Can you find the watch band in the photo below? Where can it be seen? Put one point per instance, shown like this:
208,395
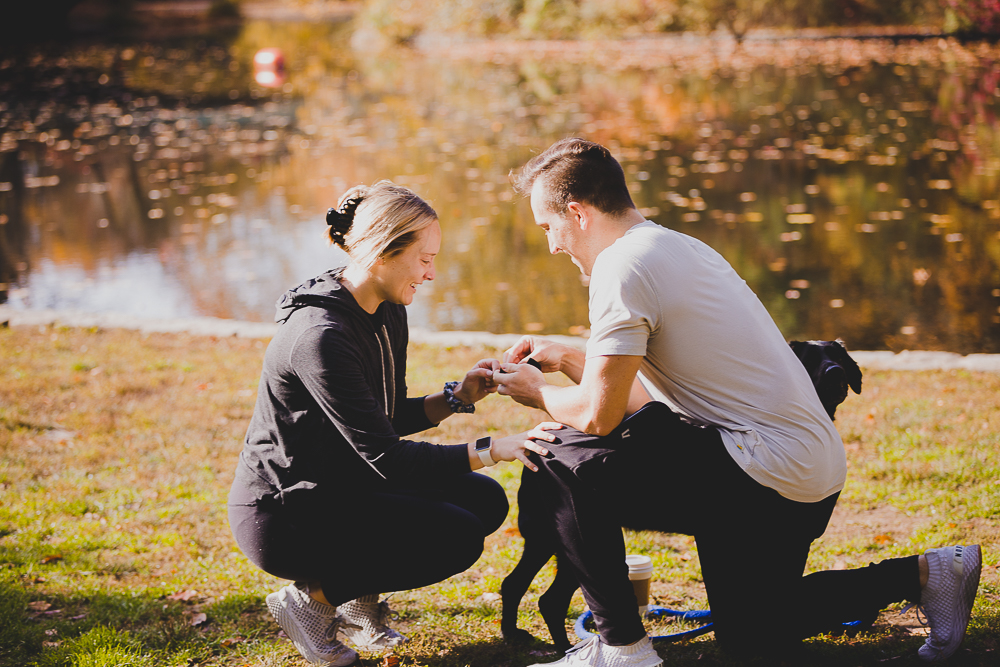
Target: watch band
483,447
454,402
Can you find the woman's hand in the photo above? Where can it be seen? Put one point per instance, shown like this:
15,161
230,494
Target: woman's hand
478,383
515,447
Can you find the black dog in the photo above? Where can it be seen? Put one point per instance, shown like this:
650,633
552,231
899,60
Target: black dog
831,370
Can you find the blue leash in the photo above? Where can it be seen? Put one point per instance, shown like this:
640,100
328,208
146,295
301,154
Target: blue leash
655,611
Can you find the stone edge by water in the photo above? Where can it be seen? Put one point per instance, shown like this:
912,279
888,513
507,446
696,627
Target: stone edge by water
910,360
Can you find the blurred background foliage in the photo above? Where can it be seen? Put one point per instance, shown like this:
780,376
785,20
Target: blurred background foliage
404,20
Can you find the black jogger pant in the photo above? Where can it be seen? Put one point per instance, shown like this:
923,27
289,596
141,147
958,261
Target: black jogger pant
363,543
658,472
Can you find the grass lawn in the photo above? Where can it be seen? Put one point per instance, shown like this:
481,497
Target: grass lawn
117,450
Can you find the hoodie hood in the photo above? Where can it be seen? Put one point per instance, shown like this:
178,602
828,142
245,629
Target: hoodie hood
323,291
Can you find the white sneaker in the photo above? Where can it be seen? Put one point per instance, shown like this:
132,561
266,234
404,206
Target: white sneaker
311,625
367,626
948,597
595,653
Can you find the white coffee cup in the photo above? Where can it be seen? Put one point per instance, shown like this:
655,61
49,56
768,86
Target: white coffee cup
640,571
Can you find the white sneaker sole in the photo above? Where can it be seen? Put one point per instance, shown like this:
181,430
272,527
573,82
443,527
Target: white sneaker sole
278,606
363,640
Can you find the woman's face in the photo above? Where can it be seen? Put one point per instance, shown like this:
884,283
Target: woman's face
399,275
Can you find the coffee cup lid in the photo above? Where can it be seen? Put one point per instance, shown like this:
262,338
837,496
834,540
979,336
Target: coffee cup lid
639,564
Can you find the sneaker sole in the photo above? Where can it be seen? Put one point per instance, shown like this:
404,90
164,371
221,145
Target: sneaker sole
360,639
972,567
279,610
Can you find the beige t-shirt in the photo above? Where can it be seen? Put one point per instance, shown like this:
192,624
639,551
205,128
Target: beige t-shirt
712,352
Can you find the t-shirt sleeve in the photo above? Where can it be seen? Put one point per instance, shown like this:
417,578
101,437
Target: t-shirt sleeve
624,309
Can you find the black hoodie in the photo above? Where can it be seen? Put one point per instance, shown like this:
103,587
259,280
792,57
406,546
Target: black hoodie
332,405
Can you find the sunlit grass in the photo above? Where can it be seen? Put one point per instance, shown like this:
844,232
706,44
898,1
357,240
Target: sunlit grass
117,450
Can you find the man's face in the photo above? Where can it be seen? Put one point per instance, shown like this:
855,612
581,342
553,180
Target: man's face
560,229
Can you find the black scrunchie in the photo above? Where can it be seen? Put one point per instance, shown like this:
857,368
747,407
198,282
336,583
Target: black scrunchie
340,221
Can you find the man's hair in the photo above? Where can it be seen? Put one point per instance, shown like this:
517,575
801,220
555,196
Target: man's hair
577,170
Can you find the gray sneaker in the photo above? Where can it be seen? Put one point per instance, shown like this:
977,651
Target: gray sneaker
948,597
311,625
367,626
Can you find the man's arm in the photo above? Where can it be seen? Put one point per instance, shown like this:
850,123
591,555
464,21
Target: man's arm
606,392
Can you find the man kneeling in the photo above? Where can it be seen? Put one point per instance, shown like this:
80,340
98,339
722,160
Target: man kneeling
731,423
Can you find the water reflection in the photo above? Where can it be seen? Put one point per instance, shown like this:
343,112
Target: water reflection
853,185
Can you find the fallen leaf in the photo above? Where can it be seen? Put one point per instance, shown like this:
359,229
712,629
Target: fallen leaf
51,558
39,605
232,641
199,619
490,597
883,539
78,617
390,661
51,632
51,644
184,596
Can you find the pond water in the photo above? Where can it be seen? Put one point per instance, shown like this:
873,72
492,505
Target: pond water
853,184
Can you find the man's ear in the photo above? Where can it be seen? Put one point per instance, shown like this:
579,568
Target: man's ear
578,214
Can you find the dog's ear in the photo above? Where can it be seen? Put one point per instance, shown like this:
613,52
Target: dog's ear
850,366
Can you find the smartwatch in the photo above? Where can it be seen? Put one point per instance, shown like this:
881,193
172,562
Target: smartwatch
483,447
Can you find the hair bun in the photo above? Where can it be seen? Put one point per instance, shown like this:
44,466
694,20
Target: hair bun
340,221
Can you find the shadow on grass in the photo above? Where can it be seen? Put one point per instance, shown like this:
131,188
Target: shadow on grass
98,627
881,646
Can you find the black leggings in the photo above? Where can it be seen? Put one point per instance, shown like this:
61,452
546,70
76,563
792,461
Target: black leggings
364,543
657,472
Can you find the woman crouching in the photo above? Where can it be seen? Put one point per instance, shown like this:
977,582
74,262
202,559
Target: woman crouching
328,492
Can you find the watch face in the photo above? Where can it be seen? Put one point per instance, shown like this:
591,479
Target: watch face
484,443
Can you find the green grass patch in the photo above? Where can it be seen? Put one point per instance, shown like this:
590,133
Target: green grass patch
117,450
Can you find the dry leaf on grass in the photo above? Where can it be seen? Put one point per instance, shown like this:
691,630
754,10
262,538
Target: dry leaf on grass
183,596
232,641
51,558
199,619
390,661
39,605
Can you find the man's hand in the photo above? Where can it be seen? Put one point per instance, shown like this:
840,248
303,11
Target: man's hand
552,357
521,382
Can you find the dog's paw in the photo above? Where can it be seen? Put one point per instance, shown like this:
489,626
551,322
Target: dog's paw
518,636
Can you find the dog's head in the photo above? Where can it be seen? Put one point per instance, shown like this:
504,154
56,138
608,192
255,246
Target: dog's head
831,370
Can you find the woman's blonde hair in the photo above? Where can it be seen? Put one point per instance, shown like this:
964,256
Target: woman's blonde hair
378,221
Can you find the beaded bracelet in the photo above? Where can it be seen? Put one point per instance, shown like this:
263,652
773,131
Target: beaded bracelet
455,403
